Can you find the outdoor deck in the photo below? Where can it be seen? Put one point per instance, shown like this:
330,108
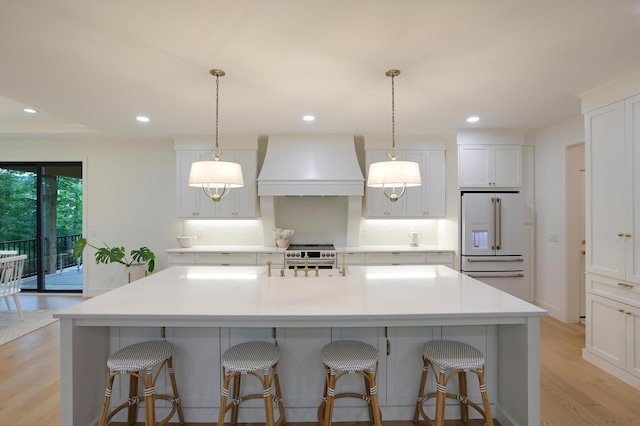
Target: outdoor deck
63,280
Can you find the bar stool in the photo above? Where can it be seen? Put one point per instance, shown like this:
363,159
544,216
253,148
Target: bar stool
257,359
132,360
452,358
349,357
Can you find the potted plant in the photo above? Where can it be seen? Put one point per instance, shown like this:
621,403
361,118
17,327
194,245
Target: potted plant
106,254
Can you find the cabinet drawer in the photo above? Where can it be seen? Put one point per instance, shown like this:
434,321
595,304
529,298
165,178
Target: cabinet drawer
440,259
622,291
353,259
181,259
226,259
276,259
395,259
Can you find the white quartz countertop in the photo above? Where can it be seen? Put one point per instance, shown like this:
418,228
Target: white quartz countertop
246,296
354,249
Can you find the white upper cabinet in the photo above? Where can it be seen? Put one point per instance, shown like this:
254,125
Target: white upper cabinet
378,205
428,199
613,190
424,201
489,166
239,203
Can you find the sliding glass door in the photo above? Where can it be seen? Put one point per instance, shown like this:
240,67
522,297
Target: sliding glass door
41,205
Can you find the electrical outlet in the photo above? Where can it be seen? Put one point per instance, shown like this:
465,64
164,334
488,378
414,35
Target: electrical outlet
365,232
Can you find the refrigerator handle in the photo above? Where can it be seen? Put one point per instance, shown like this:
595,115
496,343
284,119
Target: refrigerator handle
499,209
493,201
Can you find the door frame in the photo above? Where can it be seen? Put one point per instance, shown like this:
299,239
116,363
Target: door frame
574,162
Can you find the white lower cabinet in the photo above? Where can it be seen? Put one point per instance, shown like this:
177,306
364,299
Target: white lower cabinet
613,326
226,259
614,332
440,258
276,259
181,259
395,258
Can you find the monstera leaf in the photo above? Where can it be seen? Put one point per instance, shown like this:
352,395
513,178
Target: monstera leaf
108,254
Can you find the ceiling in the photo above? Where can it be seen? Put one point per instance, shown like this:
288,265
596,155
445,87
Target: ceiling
91,67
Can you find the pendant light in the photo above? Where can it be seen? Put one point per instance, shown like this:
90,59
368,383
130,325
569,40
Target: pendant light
393,174
216,177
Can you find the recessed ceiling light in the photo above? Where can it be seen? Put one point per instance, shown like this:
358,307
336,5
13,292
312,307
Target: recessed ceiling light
308,118
473,119
30,110
142,119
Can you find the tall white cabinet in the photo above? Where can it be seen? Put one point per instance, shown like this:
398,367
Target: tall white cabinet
613,238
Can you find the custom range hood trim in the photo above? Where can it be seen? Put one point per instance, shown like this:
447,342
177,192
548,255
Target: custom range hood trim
310,165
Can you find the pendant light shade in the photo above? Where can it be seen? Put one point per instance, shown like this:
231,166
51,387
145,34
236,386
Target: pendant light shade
393,174
216,177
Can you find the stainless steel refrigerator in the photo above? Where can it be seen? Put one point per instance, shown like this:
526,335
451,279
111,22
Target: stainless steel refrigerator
492,240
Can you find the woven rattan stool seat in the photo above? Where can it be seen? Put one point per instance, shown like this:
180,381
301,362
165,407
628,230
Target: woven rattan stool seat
349,356
140,356
453,355
251,356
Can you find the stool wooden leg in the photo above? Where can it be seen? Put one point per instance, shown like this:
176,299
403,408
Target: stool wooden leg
485,399
223,398
276,382
237,378
423,382
267,394
331,392
132,413
462,388
107,398
174,387
441,396
323,405
150,400
372,390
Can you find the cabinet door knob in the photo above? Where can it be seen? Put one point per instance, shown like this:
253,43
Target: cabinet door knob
620,310
628,313
627,235
620,234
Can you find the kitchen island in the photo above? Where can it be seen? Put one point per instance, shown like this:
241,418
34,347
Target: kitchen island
203,310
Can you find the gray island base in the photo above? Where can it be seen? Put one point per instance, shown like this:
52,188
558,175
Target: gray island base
204,310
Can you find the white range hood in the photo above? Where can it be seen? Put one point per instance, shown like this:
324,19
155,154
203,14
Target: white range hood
310,165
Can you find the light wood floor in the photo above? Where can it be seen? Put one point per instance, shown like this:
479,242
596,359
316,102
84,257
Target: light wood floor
573,392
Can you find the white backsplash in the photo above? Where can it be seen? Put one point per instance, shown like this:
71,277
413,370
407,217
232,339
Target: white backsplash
396,232
315,220
225,232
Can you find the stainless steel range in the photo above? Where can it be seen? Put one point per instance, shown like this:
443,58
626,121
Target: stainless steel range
321,255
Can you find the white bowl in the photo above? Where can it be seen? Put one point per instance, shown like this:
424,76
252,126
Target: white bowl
186,242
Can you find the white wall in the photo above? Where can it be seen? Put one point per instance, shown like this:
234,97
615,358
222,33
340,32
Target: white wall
550,147
129,196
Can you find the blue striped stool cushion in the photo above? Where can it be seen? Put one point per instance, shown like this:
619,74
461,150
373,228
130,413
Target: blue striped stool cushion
140,356
453,355
346,355
251,356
